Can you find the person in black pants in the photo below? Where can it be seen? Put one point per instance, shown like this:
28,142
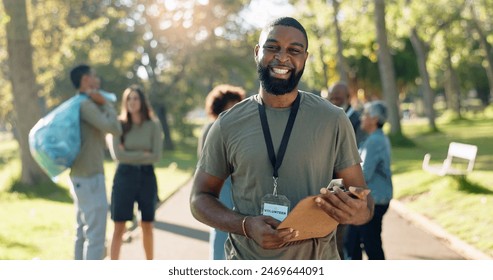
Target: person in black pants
375,156
338,95
136,150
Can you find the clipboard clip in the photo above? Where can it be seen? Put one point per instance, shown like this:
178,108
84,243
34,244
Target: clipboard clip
336,183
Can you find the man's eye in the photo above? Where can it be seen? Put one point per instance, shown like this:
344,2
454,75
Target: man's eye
295,51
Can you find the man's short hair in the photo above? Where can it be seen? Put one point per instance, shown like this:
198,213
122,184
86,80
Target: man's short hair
78,72
342,86
287,21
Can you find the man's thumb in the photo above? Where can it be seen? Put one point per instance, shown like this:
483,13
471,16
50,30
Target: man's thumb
360,192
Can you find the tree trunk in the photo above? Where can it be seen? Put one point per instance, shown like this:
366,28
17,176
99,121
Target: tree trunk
161,113
160,106
386,68
24,88
452,90
428,96
341,60
325,67
489,74
488,49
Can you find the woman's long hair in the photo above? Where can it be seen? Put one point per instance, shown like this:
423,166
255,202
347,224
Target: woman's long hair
125,117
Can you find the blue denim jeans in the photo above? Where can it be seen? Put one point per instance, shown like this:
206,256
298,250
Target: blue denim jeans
367,236
91,208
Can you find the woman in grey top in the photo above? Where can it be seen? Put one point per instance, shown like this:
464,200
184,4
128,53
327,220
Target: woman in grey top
136,150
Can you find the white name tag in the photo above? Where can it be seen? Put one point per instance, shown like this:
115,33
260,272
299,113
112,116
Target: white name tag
278,212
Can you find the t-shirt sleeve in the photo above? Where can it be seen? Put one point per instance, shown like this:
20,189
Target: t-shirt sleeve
101,117
346,149
123,155
148,155
203,136
213,159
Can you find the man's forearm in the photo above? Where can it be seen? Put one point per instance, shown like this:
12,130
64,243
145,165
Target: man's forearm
207,209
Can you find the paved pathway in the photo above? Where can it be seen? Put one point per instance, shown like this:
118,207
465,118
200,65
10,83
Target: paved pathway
177,235
404,241
406,236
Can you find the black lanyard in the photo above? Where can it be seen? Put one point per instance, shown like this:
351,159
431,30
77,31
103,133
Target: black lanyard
276,163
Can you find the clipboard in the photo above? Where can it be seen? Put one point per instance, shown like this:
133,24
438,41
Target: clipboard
309,220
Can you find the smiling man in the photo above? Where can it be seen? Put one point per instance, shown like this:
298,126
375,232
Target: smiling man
279,146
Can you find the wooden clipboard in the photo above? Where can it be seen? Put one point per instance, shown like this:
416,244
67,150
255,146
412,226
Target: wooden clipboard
309,220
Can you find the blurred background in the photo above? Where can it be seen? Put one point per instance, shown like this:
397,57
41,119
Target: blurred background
429,60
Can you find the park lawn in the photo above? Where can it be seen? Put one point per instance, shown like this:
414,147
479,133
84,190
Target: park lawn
461,205
38,222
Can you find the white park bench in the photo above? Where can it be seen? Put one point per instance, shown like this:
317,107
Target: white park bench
464,155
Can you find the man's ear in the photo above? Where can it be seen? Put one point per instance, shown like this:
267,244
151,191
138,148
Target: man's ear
255,51
83,80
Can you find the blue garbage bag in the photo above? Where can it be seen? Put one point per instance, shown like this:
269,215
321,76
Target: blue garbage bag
54,141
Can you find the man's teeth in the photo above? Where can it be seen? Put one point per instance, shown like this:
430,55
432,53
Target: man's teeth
280,71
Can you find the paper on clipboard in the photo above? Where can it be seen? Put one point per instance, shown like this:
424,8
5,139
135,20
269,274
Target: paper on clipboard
309,220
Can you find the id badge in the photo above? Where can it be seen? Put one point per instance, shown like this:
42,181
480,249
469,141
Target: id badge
276,206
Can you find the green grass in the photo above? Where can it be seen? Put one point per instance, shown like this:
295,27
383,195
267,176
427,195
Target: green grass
461,205
38,221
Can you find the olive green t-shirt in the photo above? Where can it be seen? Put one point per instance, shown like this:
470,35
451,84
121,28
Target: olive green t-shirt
322,141
143,144
95,122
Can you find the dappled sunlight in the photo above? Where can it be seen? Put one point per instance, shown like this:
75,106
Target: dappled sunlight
412,184
28,209
177,50
47,190
16,246
461,205
464,214
36,229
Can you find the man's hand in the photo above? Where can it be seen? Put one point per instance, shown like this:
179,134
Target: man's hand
262,229
344,208
97,97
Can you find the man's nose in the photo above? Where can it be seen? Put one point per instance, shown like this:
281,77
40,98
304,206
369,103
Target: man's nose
282,55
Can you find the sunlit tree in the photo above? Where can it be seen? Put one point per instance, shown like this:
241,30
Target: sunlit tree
386,66
187,47
479,18
24,87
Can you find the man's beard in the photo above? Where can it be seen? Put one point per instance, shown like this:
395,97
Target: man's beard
277,86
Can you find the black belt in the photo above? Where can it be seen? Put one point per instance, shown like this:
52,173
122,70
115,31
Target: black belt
137,166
